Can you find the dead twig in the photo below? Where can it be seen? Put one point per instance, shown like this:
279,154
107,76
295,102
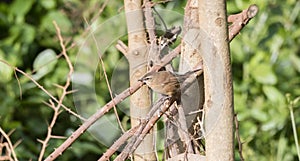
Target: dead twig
145,127
240,20
107,81
237,134
9,146
43,89
113,148
65,92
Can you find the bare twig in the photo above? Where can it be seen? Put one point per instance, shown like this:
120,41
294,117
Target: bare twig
42,88
136,131
49,131
119,98
107,83
183,133
150,22
19,84
101,9
130,146
144,129
109,152
238,137
56,108
123,48
7,155
150,27
291,104
240,20
95,17
10,145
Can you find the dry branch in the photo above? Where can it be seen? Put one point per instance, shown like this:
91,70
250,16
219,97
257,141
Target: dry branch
56,108
144,129
113,148
9,146
237,135
240,20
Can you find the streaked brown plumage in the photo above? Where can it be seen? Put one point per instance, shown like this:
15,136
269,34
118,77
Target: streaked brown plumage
165,82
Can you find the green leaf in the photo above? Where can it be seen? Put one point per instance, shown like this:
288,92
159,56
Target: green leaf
48,4
237,51
44,63
20,8
62,21
28,33
5,70
273,94
259,115
264,74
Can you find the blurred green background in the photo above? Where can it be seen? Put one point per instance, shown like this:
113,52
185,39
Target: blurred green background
265,61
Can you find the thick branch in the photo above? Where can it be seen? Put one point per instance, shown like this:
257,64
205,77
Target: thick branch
214,49
137,56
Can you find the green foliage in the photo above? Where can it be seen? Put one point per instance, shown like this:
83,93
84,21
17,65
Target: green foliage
28,41
44,63
265,58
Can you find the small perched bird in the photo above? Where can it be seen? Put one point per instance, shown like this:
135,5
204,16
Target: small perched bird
165,82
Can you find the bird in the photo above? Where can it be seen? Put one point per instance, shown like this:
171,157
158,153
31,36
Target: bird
165,82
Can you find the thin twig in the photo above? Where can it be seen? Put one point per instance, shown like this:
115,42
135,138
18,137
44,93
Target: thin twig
101,9
95,17
19,84
42,88
113,148
130,148
62,97
150,27
11,147
107,82
150,21
291,106
238,137
49,131
183,132
122,47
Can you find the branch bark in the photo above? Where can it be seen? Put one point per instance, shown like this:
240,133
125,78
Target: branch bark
214,49
137,56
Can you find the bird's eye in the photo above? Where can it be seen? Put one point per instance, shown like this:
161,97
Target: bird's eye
147,78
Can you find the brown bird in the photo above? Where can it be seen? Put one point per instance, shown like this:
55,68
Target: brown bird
165,82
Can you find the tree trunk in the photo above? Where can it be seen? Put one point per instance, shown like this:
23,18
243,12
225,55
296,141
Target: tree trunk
214,50
137,55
